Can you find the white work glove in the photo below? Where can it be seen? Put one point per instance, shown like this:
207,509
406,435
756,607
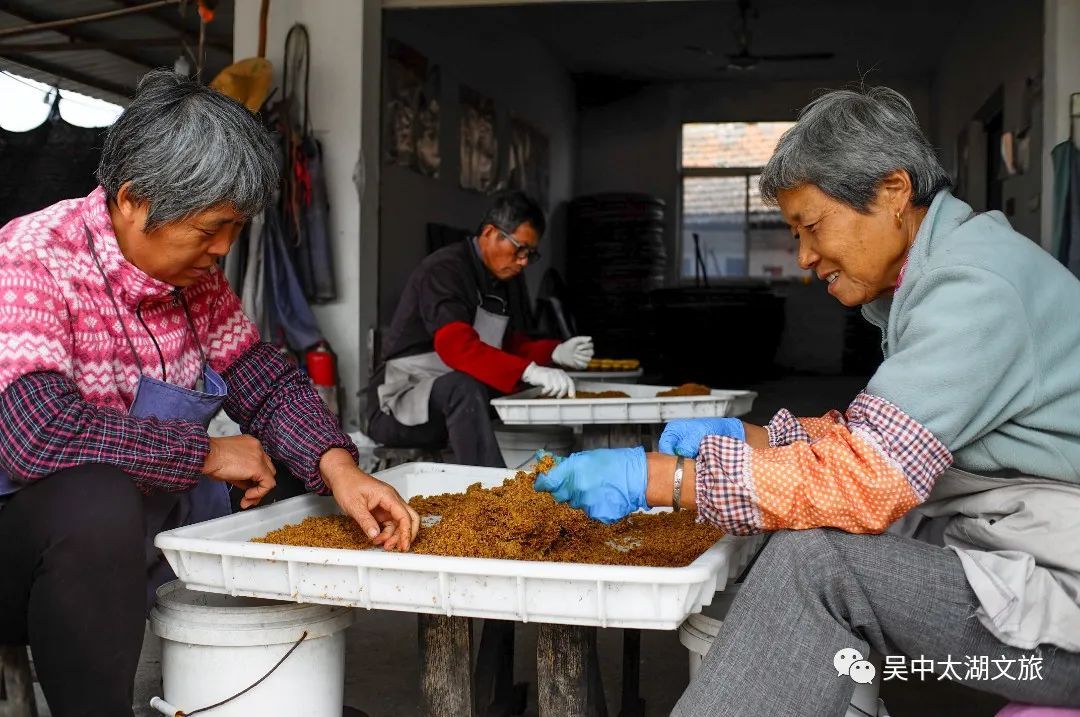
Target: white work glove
552,381
575,352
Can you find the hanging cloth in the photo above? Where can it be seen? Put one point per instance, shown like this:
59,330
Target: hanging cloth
1066,227
287,311
306,208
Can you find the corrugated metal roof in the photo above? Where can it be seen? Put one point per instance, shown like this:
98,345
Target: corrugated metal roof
114,53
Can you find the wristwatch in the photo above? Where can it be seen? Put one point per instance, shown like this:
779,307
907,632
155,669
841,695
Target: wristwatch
676,485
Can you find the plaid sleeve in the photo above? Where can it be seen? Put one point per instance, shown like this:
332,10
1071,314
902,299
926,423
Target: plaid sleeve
275,402
861,474
46,426
785,429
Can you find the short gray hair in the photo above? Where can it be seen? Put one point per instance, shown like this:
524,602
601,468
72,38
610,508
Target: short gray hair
847,141
186,148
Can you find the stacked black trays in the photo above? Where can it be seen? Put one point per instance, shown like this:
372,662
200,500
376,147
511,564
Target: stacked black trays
616,257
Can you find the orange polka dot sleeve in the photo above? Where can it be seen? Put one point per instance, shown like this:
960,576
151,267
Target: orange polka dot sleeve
859,472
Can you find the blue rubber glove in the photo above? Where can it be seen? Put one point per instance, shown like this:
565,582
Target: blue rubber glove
682,437
608,484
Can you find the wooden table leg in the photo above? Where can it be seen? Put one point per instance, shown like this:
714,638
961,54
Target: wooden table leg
445,666
566,686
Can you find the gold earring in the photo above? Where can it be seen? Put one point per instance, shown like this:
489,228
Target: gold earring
899,221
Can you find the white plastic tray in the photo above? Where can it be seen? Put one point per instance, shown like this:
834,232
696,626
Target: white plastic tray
216,556
606,376
527,407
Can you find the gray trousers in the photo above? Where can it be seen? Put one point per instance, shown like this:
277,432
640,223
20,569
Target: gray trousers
815,592
460,414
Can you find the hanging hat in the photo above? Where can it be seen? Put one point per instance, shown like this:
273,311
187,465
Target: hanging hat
247,81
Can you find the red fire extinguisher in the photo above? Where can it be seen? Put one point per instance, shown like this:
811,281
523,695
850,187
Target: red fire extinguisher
320,368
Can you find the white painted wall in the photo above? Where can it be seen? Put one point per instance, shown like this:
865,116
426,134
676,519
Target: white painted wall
998,44
1061,77
500,60
339,31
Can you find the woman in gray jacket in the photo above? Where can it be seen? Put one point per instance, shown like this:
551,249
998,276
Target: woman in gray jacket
965,446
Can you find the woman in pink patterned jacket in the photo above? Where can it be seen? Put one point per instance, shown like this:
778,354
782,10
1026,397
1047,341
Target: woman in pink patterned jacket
119,340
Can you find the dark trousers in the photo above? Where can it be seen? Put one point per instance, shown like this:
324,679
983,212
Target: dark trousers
72,586
459,412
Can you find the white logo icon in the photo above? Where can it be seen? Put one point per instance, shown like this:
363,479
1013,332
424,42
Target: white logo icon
844,659
862,672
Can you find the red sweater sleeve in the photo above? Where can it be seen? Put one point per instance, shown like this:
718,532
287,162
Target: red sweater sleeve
537,350
460,347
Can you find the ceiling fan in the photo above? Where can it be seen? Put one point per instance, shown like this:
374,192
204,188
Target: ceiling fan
743,59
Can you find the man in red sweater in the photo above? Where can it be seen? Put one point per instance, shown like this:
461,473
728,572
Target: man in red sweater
458,335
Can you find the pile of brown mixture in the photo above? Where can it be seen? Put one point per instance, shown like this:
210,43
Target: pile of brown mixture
515,522
601,394
603,364
687,389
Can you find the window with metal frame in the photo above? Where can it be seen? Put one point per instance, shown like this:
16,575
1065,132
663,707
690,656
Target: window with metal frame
726,231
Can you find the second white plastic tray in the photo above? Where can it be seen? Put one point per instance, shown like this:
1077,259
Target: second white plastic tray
218,556
643,406
607,376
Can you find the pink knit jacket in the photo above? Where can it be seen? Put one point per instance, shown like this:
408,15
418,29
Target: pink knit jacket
56,316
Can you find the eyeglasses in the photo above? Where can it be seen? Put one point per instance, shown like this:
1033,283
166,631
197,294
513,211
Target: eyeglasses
523,251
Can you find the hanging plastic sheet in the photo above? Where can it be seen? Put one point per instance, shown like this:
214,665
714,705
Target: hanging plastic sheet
53,161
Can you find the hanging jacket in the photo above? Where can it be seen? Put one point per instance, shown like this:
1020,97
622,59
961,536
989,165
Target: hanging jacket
1066,228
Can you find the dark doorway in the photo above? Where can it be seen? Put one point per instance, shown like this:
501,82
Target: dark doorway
992,117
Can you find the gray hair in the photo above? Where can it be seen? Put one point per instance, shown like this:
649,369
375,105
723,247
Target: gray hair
512,208
847,141
185,148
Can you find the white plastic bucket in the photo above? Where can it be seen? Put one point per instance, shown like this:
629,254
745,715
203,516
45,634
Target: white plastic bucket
214,646
518,443
699,631
697,635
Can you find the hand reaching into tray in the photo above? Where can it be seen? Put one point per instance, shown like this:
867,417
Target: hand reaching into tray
552,381
610,483
376,507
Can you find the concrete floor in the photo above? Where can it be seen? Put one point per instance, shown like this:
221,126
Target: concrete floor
382,673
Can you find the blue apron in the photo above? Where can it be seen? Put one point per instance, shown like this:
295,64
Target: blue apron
165,401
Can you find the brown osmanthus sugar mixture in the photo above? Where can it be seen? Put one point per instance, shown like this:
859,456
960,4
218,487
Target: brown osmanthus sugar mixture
515,522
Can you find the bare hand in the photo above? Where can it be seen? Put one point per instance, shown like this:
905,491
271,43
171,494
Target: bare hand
378,509
241,461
